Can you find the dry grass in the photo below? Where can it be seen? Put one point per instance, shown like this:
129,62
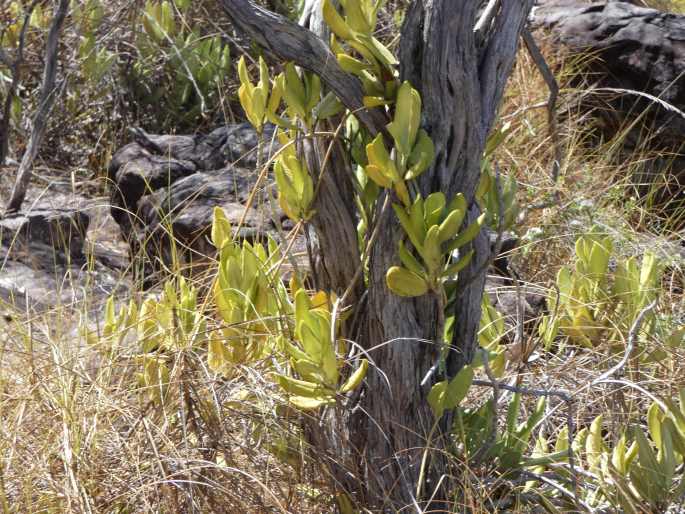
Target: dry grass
79,434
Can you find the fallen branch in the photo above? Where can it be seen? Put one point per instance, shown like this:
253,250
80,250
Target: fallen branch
630,346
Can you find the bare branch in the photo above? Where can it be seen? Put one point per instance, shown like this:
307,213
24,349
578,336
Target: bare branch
548,76
47,97
630,345
15,69
485,19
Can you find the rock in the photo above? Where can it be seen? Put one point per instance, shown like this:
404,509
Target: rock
185,209
632,48
134,172
230,144
45,235
634,53
503,293
45,253
504,296
166,185
508,242
26,288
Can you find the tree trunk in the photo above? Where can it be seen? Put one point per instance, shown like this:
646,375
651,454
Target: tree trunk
460,73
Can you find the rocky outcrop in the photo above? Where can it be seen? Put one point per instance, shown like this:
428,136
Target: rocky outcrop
165,188
45,235
57,252
630,48
634,58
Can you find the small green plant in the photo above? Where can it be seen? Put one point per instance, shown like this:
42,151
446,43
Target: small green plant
641,471
476,428
257,309
597,304
96,60
177,68
497,195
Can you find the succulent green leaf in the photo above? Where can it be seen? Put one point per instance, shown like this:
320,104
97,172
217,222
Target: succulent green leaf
302,387
294,93
654,423
468,234
328,107
458,387
305,403
450,226
403,282
378,155
421,156
355,378
379,51
432,251
436,398
377,174
453,269
409,261
356,18
335,21
405,125
221,229
416,234
313,90
433,207
352,65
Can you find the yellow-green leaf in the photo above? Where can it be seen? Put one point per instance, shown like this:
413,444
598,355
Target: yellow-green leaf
458,387
468,234
335,21
355,378
405,125
301,387
403,282
421,156
221,229
305,403
294,92
436,398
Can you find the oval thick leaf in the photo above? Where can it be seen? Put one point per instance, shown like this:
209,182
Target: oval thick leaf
304,403
458,387
403,282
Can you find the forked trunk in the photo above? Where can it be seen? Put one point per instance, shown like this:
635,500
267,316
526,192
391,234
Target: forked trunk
458,55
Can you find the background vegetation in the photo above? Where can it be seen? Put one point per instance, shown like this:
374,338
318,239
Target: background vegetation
89,422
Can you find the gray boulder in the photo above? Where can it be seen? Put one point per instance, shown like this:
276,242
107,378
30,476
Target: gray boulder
634,58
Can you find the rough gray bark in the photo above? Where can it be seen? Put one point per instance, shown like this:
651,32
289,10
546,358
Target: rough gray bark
461,78
48,92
